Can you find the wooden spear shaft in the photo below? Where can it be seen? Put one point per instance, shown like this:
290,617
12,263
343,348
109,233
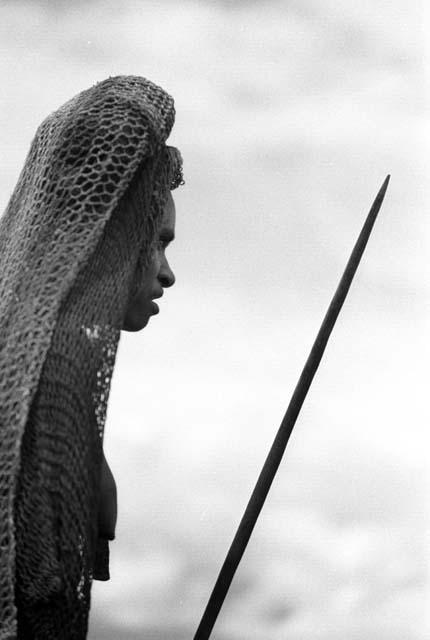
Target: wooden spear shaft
276,452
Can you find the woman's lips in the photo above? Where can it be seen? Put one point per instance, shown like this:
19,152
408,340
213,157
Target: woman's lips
155,307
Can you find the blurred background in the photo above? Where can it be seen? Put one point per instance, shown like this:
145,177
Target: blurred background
289,116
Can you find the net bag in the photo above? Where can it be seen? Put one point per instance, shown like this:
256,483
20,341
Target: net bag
75,240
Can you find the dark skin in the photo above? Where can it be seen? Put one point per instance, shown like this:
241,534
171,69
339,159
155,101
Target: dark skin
157,276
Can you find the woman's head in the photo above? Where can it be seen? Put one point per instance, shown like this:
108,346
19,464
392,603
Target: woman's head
148,210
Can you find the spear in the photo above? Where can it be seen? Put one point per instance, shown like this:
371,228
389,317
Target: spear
276,452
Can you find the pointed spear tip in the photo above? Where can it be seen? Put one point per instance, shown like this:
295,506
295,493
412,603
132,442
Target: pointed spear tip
383,189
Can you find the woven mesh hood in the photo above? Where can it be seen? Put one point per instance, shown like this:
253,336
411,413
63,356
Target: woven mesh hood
71,256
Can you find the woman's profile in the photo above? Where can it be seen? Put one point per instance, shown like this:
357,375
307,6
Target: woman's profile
82,257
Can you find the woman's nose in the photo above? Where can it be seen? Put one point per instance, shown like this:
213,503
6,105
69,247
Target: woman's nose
166,275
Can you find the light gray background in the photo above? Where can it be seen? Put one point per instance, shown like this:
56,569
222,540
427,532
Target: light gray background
289,116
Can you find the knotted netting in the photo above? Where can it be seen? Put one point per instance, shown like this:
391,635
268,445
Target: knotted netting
72,254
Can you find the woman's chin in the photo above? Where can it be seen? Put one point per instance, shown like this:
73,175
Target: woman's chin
135,324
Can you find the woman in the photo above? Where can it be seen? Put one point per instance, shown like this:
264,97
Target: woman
82,246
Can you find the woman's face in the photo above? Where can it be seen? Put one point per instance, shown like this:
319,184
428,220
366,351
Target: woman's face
157,276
